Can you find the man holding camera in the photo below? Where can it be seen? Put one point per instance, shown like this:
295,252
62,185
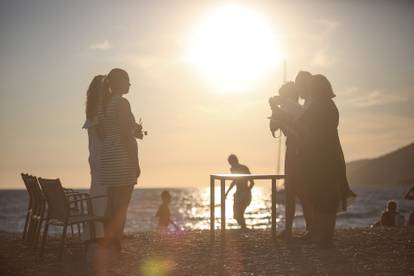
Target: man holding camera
285,112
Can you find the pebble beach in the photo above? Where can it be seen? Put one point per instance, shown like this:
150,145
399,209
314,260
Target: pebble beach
363,251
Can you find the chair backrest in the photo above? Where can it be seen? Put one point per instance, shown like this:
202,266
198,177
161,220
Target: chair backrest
28,182
55,197
40,200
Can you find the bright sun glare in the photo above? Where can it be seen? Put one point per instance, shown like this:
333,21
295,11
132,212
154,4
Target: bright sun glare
234,47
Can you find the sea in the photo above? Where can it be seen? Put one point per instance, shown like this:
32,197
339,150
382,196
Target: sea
190,208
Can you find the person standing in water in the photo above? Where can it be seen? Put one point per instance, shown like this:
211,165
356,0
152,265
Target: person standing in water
163,213
243,194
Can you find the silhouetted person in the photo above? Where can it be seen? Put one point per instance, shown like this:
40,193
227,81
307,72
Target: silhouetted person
323,159
391,217
163,213
119,158
243,194
95,140
96,251
288,103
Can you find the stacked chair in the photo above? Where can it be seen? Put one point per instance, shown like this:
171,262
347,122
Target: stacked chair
51,204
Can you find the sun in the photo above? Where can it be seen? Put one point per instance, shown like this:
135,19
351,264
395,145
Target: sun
234,47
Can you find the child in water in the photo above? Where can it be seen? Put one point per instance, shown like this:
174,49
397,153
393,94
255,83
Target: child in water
391,217
163,213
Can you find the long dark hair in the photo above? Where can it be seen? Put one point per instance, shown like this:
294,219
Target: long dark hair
109,82
321,87
93,96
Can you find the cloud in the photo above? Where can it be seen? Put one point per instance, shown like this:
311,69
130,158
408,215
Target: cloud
101,46
324,56
372,98
348,92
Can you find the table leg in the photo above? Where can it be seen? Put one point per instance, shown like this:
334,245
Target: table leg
273,208
223,207
212,205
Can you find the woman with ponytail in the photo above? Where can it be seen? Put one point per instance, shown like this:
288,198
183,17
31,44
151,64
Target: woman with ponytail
95,139
119,159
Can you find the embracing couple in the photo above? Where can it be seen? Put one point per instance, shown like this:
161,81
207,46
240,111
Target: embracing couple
315,165
113,159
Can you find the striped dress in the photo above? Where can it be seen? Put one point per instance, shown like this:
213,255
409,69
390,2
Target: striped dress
118,162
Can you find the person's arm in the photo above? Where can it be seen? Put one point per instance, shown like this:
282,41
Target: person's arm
127,125
280,119
251,180
231,187
126,119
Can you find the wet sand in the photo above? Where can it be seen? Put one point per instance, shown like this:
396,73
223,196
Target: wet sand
357,252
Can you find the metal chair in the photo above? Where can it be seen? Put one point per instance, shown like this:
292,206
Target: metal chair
59,211
40,210
28,224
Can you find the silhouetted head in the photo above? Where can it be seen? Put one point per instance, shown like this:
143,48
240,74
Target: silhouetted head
233,160
93,96
118,81
302,81
166,197
392,206
289,90
321,87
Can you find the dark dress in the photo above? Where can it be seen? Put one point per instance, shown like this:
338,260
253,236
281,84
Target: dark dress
322,157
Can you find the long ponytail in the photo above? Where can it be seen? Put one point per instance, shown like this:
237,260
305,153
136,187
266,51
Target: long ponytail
93,96
106,92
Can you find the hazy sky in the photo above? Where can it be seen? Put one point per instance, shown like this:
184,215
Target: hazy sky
50,51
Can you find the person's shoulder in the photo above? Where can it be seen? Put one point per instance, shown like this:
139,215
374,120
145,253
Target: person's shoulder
123,103
123,100
244,168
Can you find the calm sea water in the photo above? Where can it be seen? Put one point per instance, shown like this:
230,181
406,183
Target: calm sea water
191,210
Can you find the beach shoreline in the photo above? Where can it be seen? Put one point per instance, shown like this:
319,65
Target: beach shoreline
367,251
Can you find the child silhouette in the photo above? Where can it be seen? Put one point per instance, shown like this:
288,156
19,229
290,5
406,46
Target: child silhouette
163,213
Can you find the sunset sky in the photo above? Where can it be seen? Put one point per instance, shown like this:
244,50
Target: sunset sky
201,94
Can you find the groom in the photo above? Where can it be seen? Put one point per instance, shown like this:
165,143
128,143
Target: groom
285,111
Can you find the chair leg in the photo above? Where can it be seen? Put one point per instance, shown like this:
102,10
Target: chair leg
71,230
44,238
30,228
79,229
92,231
37,233
62,242
26,224
33,231
39,228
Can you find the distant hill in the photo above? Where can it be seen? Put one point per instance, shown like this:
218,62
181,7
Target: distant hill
396,167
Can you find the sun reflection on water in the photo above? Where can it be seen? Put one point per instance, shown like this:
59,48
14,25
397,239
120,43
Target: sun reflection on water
258,215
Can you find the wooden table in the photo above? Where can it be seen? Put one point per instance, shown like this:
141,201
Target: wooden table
223,178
